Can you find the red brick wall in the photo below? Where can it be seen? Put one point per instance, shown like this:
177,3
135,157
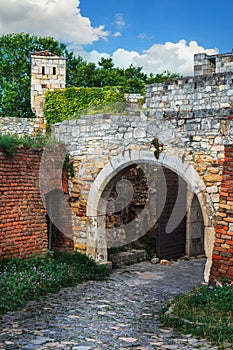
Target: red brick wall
222,265
23,227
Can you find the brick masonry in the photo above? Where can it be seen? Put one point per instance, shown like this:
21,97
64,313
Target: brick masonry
27,194
23,227
222,265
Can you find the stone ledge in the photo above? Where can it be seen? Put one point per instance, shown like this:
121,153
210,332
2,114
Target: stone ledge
125,258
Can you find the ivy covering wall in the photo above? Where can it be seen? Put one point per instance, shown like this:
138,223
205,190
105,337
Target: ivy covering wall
65,104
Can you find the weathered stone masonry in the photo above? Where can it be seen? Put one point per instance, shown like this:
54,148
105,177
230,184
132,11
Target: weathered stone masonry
48,72
20,126
192,120
208,64
191,117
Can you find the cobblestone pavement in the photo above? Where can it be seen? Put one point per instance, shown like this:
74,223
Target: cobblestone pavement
120,313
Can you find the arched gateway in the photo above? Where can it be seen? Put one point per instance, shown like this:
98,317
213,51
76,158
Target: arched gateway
97,206
182,135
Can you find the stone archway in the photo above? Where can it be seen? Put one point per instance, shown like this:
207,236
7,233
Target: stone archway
96,206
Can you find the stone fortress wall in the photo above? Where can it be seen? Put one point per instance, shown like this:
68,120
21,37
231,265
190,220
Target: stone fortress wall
20,126
209,64
192,118
208,89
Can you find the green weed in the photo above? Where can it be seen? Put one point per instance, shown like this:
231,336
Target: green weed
23,280
206,312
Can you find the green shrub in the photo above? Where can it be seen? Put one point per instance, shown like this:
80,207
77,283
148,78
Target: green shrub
204,312
10,143
65,104
23,280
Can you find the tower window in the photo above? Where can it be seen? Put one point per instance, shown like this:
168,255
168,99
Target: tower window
43,70
54,70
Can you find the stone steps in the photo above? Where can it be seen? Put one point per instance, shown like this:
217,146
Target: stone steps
127,258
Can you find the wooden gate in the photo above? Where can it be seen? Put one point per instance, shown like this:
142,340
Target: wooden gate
171,244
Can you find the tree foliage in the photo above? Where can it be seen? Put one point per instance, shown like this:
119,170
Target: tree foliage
15,67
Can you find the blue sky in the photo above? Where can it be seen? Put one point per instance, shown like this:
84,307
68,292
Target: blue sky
157,21
157,34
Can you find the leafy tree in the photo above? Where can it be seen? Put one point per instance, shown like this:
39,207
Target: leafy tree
162,77
15,69
134,79
106,63
80,73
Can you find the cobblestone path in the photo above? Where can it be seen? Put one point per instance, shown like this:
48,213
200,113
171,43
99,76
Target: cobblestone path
120,313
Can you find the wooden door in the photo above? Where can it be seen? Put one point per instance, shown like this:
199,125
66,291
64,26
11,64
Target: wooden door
171,245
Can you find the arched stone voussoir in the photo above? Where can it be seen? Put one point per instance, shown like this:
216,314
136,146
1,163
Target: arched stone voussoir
119,163
104,176
194,180
145,156
173,163
94,198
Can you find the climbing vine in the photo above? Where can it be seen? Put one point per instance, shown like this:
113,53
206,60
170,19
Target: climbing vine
65,104
68,165
158,147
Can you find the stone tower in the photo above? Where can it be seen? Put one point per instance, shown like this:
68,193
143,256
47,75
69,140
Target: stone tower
48,72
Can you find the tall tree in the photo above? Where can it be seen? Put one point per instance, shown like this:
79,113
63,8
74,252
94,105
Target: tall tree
15,52
15,69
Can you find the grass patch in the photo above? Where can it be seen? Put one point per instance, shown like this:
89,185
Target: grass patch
111,108
24,280
205,312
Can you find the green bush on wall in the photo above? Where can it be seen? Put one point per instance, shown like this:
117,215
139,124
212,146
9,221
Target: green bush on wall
64,104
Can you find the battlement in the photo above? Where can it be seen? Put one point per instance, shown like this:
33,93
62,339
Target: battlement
209,64
188,94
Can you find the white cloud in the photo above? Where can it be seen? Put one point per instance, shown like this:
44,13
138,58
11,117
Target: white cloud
62,20
119,20
93,56
173,57
58,18
142,36
117,34
123,58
